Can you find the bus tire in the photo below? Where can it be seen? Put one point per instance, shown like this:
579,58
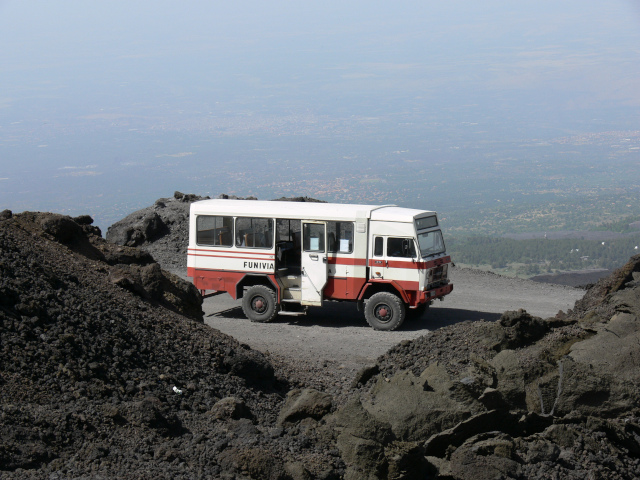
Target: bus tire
418,312
384,311
259,304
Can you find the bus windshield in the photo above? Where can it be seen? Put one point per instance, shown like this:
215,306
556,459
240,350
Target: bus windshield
431,243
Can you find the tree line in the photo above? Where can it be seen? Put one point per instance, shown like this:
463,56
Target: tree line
544,255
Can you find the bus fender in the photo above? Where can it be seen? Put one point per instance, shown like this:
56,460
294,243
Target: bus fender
392,283
250,279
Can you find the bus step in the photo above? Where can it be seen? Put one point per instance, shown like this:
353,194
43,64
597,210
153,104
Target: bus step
212,294
292,314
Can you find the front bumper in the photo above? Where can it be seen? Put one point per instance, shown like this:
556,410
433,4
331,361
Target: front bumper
432,294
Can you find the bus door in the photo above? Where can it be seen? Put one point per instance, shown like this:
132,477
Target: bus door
314,262
391,256
378,262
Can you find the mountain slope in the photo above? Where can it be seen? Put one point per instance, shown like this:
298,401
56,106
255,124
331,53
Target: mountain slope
99,377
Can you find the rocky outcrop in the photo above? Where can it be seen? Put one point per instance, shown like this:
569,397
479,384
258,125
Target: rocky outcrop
519,398
129,268
152,283
163,228
304,404
101,378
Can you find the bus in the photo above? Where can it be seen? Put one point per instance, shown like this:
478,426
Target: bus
282,257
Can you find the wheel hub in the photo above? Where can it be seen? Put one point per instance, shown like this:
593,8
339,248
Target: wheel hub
258,304
383,313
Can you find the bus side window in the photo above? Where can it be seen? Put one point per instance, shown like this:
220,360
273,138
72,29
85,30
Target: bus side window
254,232
400,247
378,246
213,230
340,237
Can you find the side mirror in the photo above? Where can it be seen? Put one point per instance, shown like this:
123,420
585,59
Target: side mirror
407,248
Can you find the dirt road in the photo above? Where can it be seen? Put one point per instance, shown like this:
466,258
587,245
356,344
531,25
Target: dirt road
337,335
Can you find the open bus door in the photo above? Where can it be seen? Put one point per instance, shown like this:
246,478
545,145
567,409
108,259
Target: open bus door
314,262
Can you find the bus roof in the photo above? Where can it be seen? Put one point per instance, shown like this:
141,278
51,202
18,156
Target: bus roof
306,210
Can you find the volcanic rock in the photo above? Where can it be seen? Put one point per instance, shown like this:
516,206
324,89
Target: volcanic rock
99,381
102,376
305,403
519,398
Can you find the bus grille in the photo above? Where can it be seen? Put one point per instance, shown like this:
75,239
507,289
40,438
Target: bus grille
438,276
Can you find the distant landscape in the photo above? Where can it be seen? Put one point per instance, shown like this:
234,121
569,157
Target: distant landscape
494,212
511,120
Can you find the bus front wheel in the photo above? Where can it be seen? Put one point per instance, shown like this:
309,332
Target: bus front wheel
384,311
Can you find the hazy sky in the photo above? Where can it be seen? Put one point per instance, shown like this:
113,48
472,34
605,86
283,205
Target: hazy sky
80,55
76,71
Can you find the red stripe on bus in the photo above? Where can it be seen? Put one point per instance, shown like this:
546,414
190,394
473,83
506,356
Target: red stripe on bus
347,261
230,256
226,251
381,263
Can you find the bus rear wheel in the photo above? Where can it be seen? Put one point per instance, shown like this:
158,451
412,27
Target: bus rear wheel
384,311
259,304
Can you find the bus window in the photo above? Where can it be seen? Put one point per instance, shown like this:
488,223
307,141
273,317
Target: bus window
214,231
401,247
340,237
378,247
313,237
254,232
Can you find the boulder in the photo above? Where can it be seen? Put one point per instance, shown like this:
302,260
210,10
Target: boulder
145,227
65,230
438,444
61,227
361,440
152,283
515,329
485,457
116,254
254,462
250,365
405,461
418,407
510,378
364,375
305,403
83,220
230,408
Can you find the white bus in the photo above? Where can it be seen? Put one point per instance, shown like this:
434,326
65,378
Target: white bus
281,257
